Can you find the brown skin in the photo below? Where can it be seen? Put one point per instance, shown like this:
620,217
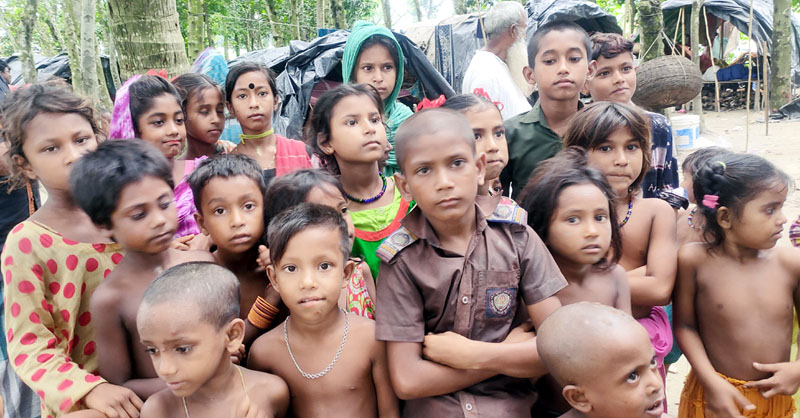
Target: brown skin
115,302
253,109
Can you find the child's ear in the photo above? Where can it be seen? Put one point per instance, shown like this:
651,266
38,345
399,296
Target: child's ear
24,166
576,398
480,163
199,219
106,232
349,267
272,278
527,71
235,334
592,70
724,217
402,185
229,105
324,144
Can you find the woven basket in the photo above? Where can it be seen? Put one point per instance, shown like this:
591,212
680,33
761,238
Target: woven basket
667,81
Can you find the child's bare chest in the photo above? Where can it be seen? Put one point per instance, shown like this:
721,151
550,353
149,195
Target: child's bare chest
728,288
635,236
596,289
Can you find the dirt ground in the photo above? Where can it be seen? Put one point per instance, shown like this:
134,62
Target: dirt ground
781,147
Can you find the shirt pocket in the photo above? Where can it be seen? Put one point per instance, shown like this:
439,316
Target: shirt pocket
499,294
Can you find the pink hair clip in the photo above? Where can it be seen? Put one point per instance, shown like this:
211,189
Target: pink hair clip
711,201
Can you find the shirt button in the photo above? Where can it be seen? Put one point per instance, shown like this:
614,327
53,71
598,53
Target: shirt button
468,406
465,300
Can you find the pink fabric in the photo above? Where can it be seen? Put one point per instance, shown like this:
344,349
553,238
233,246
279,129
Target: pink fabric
121,121
184,202
290,155
657,326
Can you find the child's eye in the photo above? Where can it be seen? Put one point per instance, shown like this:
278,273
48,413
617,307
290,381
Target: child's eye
82,140
325,266
350,122
653,363
549,61
290,269
458,163
263,93
165,204
157,122
575,59
137,216
603,73
179,121
344,209
367,68
633,147
627,69
422,170
770,211
572,220
48,149
477,136
604,148
633,377
249,206
388,67
219,211
184,349
601,218
150,350
500,133
241,96
375,120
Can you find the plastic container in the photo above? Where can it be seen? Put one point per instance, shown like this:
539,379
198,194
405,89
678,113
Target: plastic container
685,130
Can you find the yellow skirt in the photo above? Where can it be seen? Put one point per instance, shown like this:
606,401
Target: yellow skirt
693,405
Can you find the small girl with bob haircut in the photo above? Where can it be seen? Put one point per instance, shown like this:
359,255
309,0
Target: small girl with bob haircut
204,105
252,96
616,138
490,134
736,294
53,261
347,133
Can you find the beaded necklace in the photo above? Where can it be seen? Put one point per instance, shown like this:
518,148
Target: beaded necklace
628,215
691,215
371,199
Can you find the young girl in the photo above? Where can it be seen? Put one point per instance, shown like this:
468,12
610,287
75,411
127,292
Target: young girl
616,137
691,222
373,56
251,95
150,108
571,208
204,106
347,133
490,134
53,261
736,292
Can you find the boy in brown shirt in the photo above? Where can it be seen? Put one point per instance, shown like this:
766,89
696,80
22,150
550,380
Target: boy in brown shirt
454,281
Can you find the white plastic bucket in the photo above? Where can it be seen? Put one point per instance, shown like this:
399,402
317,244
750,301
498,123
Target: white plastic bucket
685,130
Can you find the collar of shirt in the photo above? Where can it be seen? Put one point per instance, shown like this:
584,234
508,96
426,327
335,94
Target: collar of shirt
417,224
536,115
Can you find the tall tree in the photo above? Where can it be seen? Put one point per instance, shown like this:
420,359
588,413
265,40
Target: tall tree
26,54
195,26
417,10
697,102
71,22
651,21
147,35
88,62
387,13
337,10
780,86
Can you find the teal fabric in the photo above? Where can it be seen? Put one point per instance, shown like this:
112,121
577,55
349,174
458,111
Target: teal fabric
396,112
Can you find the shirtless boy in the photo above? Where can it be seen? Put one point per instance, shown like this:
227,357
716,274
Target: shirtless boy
189,324
126,188
329,358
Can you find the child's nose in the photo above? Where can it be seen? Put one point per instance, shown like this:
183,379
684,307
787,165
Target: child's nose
166,367
443,181
236,218
591,229
620,158
71,153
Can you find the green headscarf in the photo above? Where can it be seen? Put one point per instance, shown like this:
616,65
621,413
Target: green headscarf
396,112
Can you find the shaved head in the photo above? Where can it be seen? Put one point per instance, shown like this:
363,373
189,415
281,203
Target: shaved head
577,340
430,122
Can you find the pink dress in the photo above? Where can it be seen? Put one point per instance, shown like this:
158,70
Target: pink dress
184,202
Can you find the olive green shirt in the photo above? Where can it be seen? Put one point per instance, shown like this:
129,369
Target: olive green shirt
530,141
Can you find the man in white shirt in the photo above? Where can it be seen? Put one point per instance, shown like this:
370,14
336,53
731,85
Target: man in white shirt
496,69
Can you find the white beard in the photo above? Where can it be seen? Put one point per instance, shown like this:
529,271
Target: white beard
517,60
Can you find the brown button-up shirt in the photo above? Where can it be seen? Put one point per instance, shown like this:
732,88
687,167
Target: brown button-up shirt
482,296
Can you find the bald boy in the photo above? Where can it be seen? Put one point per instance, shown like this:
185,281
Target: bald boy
604,360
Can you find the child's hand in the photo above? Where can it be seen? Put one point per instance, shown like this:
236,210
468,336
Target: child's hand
237,357
785,379
200,242
448,348
182,243
114,401
520,333
247,409
263,257
723,400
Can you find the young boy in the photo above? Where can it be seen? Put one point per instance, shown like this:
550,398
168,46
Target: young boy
229,195
455,281
126,189
558,64
191,351
612,77
603,359
329,358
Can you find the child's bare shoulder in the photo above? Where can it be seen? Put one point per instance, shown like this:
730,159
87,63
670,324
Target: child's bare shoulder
262,351
693,253
267,390
363,329
161,404
789,257
657,208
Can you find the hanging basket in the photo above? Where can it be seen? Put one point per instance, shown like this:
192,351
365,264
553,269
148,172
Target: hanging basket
667,81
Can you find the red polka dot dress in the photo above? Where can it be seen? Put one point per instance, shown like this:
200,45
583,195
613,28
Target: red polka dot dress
49,280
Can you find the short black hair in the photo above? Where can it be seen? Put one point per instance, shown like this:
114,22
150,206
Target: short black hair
190,84
3,65
696,160
299,218
226,165
293,188
248,67
209,286
97,178
429,122
143,91
468,101
534,44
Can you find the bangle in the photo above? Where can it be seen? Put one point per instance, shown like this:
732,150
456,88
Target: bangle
262,313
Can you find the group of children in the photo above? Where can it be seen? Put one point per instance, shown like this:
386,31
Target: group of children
164,272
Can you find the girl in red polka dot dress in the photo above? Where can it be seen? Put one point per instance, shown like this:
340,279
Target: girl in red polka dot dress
53,261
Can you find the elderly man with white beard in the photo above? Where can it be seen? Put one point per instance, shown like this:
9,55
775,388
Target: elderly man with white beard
496,69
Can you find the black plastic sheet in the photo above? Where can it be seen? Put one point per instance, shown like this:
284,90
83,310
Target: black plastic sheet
588,15
735,12
57,66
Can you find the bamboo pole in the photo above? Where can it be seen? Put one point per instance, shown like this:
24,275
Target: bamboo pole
765,78
683,32
749,79
711,54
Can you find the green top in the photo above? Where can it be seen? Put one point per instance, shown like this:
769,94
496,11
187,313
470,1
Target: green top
530,141
396,112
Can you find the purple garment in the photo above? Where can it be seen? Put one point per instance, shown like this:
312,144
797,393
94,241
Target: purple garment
184,202
121,120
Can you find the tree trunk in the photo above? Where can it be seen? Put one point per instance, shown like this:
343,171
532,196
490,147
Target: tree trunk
320,14
72,41
460,6
270,18
194,28
387,13
49,20
111,50
147,36
651,22
88,63
694,34
417,10
28,21
207,26
337,10
780,87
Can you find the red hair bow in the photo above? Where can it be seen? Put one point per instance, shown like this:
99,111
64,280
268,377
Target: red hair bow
481,92
161,73
430,104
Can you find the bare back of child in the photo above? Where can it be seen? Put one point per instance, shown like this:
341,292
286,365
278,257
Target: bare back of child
142,218
329,358
736,287
191,352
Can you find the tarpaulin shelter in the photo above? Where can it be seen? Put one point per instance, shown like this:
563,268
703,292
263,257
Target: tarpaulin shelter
587,14
304,65
57,66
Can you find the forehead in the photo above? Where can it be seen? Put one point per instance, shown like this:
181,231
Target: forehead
159,321
375,52
164,103
257,78
483,116
206,95
620,135
314,241
230,187
623,351
436,146
354,105
148,185
325,194
561,42
775,192
585,195
623,58
56,126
